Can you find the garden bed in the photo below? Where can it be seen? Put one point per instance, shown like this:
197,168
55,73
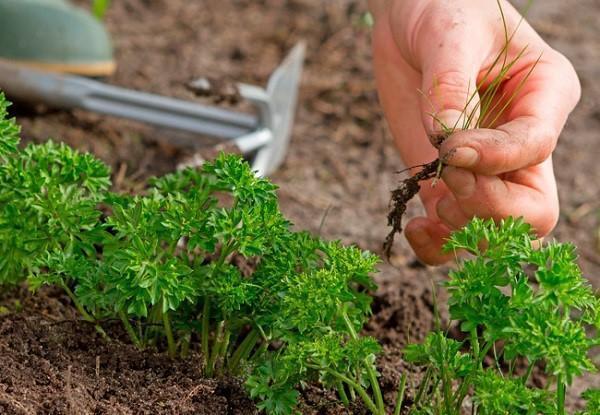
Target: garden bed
336,181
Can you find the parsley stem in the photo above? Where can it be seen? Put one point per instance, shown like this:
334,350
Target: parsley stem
361,391
342,393
259,352
433,387
86,316
560,395
169,333
475,344
368,365
400,396
528,373
478,355
243,350
422,387
205,331
154,319
447,387
223,346
185,345
214,353
129,329
352,393
462,391
209,356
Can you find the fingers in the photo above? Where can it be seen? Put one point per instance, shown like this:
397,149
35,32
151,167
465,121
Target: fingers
531,194
533,123
450,213
521,143
447,87
427,237
518,144
449,63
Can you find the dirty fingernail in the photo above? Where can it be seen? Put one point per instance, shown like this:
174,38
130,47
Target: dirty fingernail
462,157
421,237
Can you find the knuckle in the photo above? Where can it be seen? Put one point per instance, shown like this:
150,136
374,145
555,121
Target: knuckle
499,141
449,89
450,81
492,200
568,76
529,144
547,222
545,144
535,143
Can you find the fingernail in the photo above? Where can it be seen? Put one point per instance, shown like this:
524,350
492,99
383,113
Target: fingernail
421,237
448,119
462,157
444,203
468,186
460,181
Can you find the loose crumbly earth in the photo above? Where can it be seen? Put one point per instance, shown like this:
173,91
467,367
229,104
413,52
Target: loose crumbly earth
336,180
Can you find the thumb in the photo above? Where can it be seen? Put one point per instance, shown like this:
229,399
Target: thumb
449,85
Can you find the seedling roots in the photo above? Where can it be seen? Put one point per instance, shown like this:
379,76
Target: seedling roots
407,189
404,193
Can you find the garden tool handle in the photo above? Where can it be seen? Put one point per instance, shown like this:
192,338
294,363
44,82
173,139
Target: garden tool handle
68,91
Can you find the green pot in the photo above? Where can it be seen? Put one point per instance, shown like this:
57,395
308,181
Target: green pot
54,35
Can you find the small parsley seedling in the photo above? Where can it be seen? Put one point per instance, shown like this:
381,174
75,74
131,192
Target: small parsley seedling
524,307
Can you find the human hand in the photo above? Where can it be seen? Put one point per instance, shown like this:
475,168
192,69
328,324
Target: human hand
445,48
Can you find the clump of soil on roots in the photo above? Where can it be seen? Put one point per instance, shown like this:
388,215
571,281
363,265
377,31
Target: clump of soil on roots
403,194
408,189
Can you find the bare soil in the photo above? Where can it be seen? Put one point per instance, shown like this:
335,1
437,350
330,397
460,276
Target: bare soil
336,180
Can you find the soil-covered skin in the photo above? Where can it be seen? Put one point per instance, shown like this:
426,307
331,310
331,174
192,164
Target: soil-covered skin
336,180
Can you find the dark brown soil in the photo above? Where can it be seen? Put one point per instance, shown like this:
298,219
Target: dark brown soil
54,364
336,180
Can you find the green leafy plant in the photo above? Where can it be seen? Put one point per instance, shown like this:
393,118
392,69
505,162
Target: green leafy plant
204,264
522,306
48,201
592,396
203,261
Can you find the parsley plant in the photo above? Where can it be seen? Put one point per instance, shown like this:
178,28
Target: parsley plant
202,261
523,306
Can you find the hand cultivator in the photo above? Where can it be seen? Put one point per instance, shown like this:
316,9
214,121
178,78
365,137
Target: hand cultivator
262,136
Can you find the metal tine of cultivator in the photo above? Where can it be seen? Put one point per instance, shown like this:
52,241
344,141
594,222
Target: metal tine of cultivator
265,133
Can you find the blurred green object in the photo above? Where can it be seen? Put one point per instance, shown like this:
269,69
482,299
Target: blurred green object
56,36
99,8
